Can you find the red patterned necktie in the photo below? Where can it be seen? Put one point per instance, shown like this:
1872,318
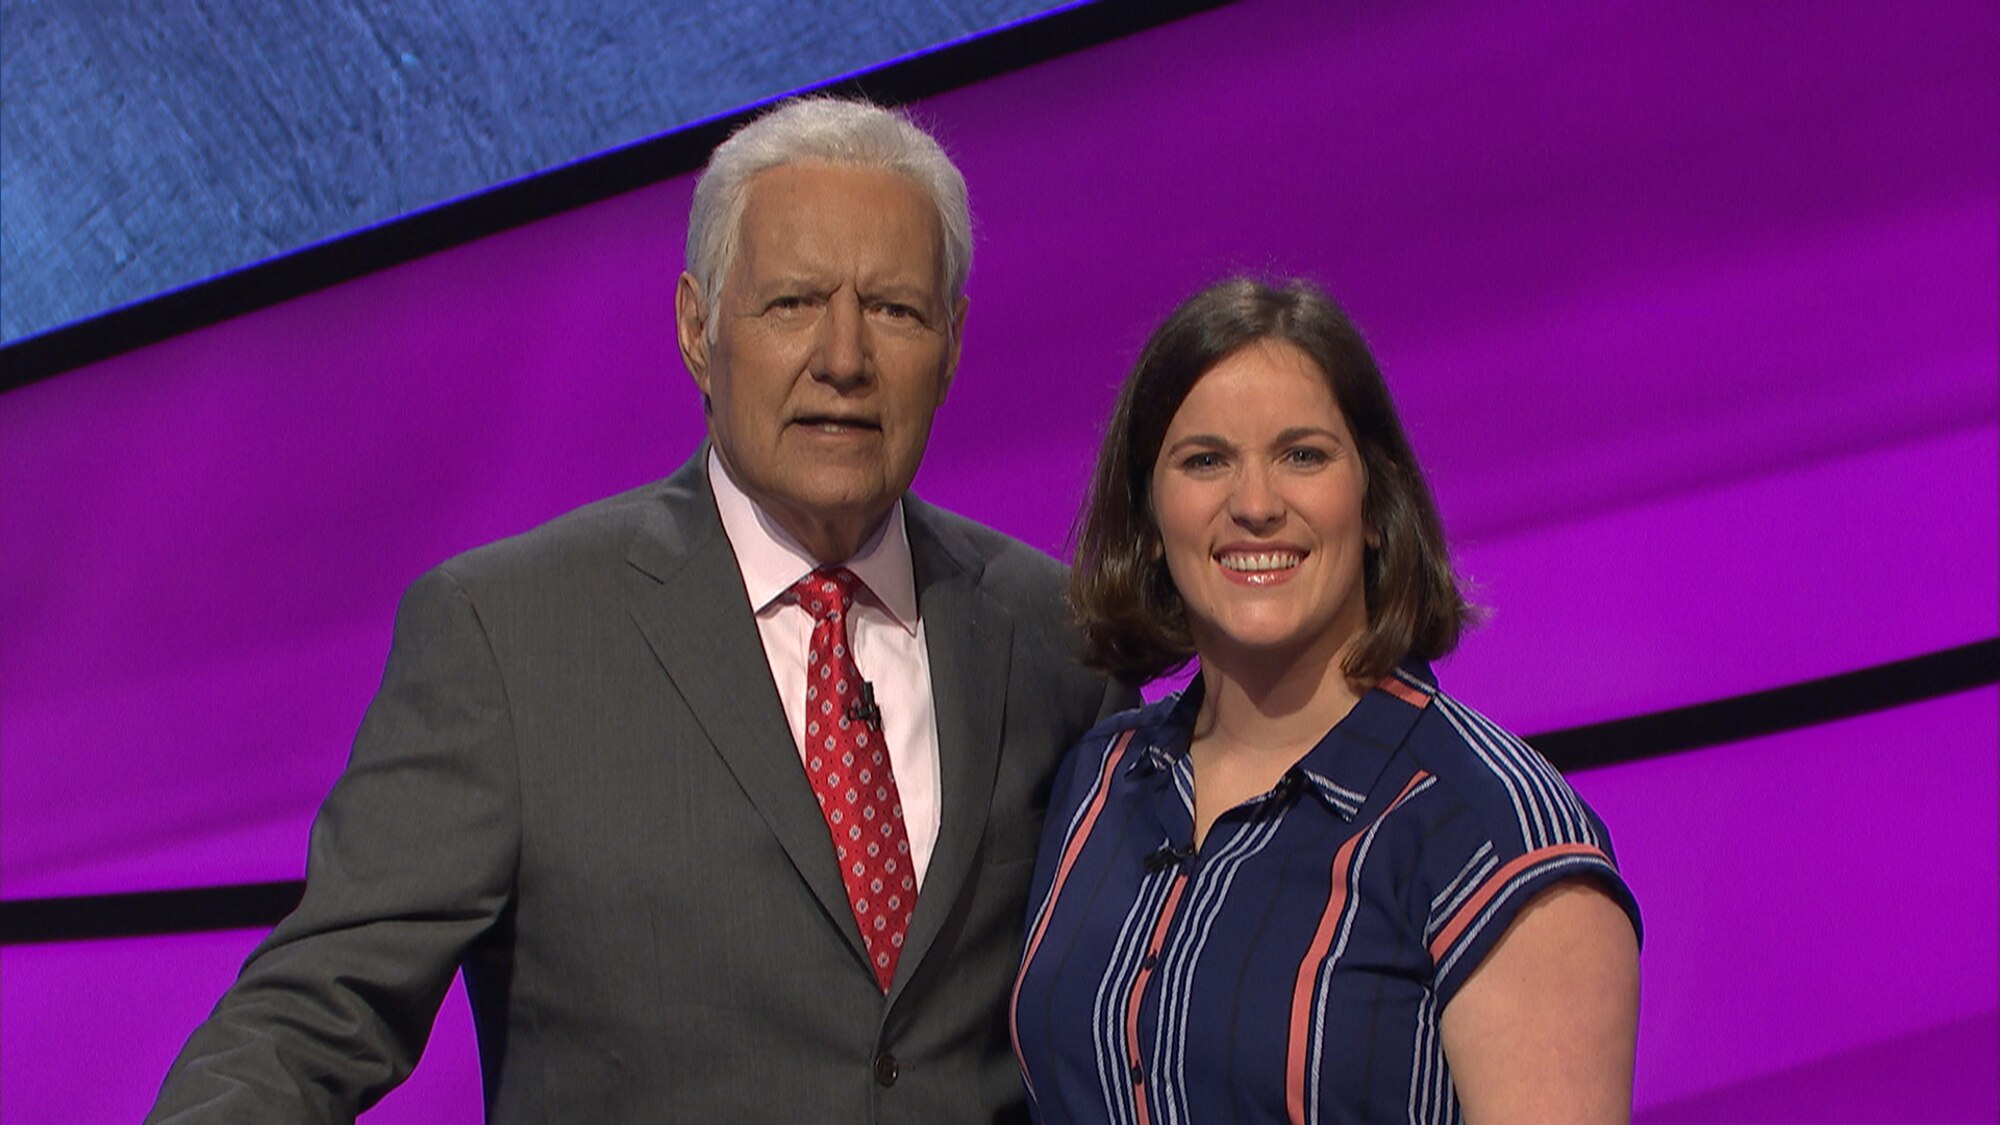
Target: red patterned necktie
848,764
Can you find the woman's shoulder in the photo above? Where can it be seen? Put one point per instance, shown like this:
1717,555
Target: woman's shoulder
1119,736
1147,717
1509,827
1516,797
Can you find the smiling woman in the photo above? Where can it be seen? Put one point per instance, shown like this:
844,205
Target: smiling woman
1258,493
1313,886
1134,619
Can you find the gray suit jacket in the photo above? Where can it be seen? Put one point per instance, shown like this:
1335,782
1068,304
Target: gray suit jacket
577,783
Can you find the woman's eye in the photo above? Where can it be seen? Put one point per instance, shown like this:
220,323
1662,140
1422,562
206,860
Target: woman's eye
1306,456
1200,461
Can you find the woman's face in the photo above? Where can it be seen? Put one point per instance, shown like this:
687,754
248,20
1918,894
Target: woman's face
1258,491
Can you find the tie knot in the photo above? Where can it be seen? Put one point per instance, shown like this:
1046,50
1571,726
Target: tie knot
827,591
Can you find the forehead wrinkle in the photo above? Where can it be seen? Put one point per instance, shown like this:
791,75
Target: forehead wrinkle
812,237
803,257
892,275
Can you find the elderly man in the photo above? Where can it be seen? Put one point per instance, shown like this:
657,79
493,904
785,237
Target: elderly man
724,792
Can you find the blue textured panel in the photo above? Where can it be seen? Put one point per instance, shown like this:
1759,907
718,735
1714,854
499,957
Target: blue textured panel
146,146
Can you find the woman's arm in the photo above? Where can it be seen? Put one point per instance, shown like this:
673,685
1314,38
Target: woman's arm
1543,1030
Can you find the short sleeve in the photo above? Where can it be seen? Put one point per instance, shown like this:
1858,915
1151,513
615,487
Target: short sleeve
1463,929
1517,829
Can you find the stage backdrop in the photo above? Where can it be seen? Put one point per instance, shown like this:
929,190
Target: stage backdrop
148,146
1692,315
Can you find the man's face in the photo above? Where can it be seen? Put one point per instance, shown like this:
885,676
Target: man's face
833,343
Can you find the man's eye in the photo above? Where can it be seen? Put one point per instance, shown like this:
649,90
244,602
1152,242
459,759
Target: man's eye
899,312
789,303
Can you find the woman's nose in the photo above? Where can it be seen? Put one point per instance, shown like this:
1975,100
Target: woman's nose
1254,504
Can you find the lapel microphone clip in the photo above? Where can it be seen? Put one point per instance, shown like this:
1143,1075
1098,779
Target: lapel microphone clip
863,709
1168,856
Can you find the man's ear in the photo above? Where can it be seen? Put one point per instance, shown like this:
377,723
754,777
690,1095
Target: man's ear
957,340
691,329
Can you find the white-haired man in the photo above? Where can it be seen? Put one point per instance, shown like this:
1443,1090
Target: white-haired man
723,792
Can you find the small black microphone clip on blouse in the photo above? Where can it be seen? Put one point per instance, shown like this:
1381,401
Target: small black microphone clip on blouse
1168,856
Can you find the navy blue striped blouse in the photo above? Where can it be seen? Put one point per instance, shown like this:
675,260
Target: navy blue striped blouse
1294,969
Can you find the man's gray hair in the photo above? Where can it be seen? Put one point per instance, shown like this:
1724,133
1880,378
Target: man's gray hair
836,131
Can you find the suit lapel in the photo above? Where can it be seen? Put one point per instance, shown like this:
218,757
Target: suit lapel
969,638
700,626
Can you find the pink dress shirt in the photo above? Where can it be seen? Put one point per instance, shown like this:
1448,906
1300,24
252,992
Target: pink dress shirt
887,635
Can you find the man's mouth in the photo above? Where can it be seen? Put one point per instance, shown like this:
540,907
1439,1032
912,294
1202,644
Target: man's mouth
830,424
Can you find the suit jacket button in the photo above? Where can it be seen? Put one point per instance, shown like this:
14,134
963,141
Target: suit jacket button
886,1069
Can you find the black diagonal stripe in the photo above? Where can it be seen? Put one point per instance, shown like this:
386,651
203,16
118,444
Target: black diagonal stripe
240,906
1793,707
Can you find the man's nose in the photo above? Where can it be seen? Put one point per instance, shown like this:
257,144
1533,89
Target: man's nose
1254,503
841,351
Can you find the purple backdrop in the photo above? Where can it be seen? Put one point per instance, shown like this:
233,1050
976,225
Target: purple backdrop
1692,314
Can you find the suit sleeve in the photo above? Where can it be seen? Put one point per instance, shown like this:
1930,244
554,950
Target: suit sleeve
412,858
1118,697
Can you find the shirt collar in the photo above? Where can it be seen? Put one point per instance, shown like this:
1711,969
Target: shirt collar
1343,765
772,561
